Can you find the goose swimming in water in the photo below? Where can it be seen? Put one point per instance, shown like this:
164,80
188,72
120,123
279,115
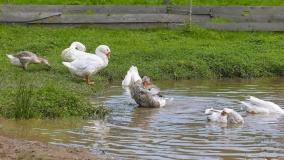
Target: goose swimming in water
24,58
255,105
147,96
75,51
223,116
132,76
88,65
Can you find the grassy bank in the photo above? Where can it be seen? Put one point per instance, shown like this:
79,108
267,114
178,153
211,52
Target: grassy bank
152,2
161,53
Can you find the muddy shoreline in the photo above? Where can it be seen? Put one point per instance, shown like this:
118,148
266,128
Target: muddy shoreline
11,148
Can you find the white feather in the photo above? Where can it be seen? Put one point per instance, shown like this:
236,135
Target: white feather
131,77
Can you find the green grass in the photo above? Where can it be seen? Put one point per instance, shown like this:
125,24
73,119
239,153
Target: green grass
161,53
151,2
221,20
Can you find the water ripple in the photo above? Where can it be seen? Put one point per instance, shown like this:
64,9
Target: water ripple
177,131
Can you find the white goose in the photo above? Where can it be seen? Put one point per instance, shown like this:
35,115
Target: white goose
147,96
223,116
24,58
256,105
75,51
88,65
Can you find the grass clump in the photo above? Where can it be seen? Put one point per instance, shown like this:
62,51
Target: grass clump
48,101
52,101
23,103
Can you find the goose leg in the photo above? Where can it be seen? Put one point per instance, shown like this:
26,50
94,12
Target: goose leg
88,80
25,67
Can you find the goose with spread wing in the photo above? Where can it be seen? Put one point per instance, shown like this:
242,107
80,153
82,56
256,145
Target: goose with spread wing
147,95
132,76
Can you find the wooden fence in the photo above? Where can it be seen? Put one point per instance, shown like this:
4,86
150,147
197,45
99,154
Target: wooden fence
245,18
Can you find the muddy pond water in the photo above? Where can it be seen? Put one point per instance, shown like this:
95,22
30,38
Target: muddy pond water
177,131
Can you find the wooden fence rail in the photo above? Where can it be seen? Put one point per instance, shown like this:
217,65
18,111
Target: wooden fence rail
244,18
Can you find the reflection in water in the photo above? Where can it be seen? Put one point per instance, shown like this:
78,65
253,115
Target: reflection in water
177,131
142,117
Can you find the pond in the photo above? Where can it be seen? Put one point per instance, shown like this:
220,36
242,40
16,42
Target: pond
177,131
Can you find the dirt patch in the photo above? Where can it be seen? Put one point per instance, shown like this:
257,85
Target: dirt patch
22,149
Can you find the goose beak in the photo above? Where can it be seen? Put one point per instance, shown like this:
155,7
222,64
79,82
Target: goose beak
145,84
48,66
108,54
223,113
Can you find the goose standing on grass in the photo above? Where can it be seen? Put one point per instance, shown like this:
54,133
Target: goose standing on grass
223,116
255,105
147,96
24,58
75,51
88,65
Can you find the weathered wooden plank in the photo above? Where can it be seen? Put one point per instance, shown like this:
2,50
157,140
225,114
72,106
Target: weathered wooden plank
112,25
247,10
272,10
125,18
232,10
196,10
25,17
229,10
201,18
110,18
116,18
83,9
253,18
244,26
143,9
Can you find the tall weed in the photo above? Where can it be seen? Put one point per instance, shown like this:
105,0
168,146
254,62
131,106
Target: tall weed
23,108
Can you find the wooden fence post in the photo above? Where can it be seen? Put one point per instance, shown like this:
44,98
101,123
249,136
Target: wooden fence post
190,9
167,3
190,12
